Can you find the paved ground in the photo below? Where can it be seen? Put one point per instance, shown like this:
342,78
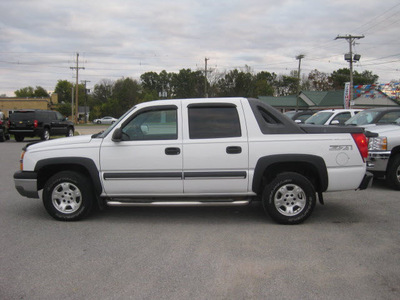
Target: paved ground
348,249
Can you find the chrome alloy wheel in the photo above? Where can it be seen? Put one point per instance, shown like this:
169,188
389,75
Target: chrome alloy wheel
398,173
66,198
46,135
290,200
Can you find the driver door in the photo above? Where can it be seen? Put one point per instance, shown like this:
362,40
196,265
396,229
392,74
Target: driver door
148,159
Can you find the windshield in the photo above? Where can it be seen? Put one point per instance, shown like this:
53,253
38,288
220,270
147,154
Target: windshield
290,113
362,118
319,118
105,132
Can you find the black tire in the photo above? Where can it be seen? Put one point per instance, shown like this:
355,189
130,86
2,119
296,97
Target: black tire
2,137
98,122
289,199
68,196
393,172
70,132
45,135
19,138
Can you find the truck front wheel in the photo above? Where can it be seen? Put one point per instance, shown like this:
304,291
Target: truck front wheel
393,172
45,135
289,198
67,196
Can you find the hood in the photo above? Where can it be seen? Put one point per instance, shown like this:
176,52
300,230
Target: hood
63,142
380,129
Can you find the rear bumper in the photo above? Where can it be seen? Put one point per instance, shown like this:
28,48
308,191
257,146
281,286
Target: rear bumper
26,184
366,182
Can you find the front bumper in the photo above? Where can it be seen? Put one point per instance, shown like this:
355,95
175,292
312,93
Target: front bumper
367,181
378,160
26,184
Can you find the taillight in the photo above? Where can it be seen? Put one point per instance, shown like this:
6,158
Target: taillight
35,123
1,122
362,144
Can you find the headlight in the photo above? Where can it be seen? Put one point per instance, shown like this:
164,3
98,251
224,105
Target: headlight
377,143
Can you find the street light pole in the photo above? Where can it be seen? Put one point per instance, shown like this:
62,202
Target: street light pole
350,38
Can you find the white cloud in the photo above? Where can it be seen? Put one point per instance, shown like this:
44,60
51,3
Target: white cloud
38,38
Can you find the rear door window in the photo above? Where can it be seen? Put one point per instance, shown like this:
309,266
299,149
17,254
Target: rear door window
213,122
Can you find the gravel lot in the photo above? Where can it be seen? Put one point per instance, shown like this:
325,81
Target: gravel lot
348,249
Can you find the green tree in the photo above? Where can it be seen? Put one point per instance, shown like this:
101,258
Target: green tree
286,85
187,84
341,76
64,91
156,86
40,92
125,94
319,81
150,81
264,84
236,83
31,92
64,108
102,91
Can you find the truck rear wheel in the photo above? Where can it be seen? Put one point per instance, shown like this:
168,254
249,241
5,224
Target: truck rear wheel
67,196
289,198
393,172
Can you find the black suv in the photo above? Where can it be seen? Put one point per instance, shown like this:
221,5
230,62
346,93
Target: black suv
41,123
3,128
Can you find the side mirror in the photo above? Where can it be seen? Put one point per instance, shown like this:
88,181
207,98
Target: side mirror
297,121
117,135
335,122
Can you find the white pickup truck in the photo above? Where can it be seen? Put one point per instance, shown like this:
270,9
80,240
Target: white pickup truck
384,153
223,151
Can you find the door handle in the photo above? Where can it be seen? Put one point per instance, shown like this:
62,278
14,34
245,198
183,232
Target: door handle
233,150
172,151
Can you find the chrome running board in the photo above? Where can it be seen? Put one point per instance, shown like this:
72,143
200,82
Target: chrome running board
177,203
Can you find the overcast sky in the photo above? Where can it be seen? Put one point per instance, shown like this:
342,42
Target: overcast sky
39,39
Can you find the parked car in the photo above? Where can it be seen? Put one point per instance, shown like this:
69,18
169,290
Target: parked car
41,123
380,115
105,120
3,128
332,116
299,116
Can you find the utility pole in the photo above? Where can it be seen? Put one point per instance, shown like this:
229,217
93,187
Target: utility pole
77,86
205,77
84,82
299,58
72,104
349,57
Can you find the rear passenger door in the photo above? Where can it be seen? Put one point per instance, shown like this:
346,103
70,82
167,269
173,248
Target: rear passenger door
58,123
215,149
